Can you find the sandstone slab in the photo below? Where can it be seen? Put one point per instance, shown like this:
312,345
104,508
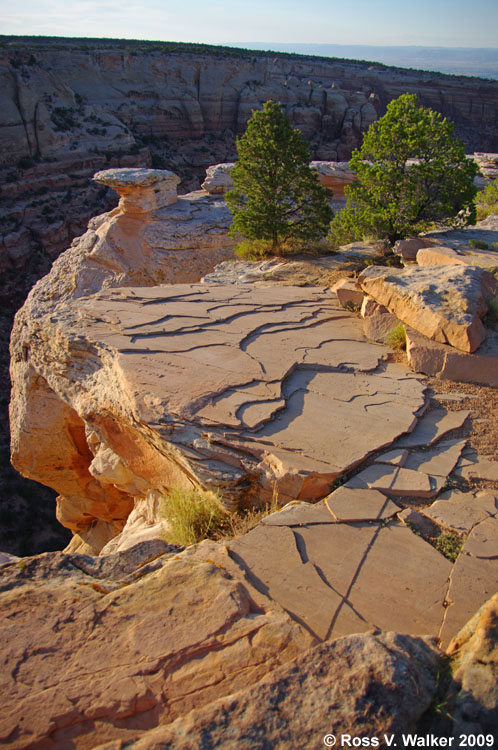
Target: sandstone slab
358,571
472,583
440,256
444,303
432,427
219,386
447,363
395,480
99,651
409,247
374,685
348,293
438,462
376,327
461,511
351,505
481,469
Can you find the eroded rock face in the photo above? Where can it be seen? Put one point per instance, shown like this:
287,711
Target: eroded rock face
238,389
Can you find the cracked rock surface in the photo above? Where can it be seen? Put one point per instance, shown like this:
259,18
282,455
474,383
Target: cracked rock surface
233,388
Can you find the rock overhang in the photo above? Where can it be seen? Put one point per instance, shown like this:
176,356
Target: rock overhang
236,388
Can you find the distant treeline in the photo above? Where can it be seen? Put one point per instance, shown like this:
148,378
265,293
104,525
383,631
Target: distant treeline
135,46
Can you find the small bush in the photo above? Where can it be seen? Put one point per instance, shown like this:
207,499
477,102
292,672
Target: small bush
253,249
479,244
449,544
396,338
487,201
192,515
492,314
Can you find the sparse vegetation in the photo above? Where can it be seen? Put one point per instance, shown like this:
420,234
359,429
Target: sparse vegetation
192,515
396,337
479,244
487,201
492,314
449,544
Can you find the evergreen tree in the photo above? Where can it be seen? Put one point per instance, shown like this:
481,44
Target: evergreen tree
393,196
276,196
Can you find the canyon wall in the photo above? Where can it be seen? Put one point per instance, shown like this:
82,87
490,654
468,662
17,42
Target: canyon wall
71,107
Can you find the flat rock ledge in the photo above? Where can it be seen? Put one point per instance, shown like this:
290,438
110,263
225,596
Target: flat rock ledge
238,389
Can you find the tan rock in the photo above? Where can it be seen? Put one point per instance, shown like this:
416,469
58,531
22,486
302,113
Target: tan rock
462,511
376,327
440,256
445,303
351,505
409,247
394,480
482,469
334,176
374,685
430,358
396,457
438,462
221,387
474,652
218,180
472,583
141,190
432,427
370,307
95,653
348,293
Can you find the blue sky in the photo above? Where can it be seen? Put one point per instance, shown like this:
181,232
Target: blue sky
448,23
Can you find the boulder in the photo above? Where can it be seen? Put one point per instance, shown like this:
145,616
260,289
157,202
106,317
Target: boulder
218,180
441,256
102,649
141,190
374,685
348,293
443,361
334,176
473,696
445,303
409,247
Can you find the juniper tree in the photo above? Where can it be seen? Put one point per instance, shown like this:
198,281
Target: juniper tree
276,196
411,173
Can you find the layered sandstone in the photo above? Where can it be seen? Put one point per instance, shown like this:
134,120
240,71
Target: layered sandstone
71,107
445,303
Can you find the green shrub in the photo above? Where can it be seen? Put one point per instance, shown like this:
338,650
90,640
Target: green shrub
487,201
396,338
449,544
479,244
253,249
492,314
192,515
394,196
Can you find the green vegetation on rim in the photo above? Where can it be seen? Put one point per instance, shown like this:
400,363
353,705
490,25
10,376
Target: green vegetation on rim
411,172
487,201
276,196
